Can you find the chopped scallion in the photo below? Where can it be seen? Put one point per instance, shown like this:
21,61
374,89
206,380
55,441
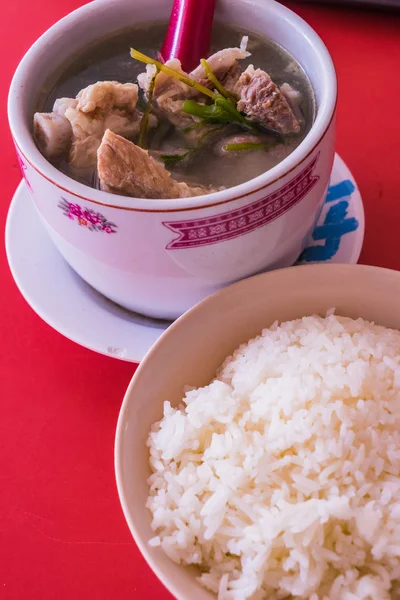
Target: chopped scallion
246,146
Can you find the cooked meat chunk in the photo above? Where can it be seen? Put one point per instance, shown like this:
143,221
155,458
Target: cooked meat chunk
224,64
101,106
88,131
164,83
108,96
62,104
262,101
230,77
126,169
294,97
169,93
53,134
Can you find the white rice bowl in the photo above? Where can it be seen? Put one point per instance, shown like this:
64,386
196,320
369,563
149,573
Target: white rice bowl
281,478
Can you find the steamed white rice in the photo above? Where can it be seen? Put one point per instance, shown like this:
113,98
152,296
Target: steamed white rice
281,479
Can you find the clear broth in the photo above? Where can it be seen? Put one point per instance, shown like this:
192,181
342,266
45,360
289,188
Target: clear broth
109,59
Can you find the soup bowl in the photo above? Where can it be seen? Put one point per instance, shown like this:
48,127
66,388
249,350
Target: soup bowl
192,349
160,257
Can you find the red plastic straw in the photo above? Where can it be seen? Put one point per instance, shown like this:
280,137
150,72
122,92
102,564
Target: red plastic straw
189,32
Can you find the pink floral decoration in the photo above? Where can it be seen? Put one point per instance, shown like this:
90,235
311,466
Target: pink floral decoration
86,217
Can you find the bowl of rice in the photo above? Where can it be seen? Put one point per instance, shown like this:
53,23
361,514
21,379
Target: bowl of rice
257,451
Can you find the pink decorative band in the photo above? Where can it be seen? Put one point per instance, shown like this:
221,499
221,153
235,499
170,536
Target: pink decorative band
231,224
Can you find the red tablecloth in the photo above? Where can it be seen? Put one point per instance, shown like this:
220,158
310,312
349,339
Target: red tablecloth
62,533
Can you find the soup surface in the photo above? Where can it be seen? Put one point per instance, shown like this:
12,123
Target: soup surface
209,154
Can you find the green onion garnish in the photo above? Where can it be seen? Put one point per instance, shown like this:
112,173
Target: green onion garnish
246,146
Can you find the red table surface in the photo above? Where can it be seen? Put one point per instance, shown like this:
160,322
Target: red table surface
62,532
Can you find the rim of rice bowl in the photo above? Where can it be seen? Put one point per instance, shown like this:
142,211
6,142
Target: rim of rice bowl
384,288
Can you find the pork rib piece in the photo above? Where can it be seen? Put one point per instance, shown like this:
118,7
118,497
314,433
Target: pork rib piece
126,169
169,93
261,100
101,106
76,125
108,96
52,131
53,134
224,65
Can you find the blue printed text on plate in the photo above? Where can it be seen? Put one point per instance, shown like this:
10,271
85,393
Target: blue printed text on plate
327,235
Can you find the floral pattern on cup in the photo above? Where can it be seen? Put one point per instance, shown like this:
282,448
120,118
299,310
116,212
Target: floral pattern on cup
86,217
23,171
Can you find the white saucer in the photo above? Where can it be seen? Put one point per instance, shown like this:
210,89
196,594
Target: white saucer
62,299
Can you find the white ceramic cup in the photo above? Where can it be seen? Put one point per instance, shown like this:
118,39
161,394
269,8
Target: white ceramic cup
160,257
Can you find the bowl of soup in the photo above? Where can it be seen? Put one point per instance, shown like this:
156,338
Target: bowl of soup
161,187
